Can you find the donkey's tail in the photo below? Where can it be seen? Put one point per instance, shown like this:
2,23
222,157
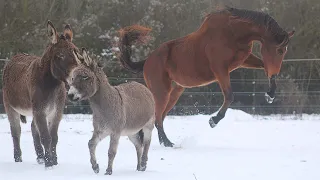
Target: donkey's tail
23,119
128,36
141,136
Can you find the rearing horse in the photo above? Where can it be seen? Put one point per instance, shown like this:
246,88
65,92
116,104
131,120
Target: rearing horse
222,44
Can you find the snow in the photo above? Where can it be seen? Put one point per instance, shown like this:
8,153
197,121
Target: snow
242,146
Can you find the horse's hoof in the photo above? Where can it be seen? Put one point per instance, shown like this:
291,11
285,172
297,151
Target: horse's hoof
40,160
96,168
168,144
268,98
212,123
18,159
108,172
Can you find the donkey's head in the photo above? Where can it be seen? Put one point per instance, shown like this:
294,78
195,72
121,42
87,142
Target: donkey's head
83,80
61,52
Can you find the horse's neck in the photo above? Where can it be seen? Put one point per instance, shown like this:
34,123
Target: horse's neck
106,94
246,33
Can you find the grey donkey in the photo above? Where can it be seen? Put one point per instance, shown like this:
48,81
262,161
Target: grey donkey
124,110
34,86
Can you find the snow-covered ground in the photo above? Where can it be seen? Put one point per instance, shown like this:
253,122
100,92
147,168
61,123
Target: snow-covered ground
240,147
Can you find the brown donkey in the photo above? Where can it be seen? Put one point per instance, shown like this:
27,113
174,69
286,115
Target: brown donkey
34,86
222,44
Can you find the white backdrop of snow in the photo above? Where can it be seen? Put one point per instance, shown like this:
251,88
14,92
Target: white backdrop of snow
242,146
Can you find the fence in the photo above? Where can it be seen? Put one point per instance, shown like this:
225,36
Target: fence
249,96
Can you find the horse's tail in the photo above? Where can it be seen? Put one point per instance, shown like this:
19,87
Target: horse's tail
23,119
128,36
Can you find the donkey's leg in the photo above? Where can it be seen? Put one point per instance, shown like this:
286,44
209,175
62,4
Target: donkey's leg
224,82
114,142
54,126
37,144
92,144
41,122
253,62
147,130
137,140
14,119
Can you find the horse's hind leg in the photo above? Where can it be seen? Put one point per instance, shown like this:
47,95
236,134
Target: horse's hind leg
37,144
224,82
161,93
14,119
137,140
174,97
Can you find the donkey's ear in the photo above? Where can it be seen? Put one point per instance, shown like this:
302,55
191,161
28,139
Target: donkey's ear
77,56
68,32
86,58
52,33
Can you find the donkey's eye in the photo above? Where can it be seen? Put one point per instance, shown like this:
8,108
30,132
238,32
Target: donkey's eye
84,77
60,56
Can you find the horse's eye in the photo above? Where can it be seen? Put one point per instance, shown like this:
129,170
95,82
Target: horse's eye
280,51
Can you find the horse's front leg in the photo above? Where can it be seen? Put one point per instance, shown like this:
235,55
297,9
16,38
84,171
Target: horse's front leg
225,86
272,89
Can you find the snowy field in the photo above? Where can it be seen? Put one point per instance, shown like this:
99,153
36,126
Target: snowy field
240,147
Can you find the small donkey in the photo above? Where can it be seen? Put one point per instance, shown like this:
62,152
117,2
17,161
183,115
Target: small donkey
124,110
34,86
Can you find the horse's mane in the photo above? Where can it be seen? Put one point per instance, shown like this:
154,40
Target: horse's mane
261,19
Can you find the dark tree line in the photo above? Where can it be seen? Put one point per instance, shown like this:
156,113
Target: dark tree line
95,25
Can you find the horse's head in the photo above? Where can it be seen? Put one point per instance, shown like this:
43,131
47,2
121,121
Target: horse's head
273,50
83,80
61,52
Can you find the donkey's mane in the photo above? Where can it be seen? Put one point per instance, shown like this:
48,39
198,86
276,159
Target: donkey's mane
262,19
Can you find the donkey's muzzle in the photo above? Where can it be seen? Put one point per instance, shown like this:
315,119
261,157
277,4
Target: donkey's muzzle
72,97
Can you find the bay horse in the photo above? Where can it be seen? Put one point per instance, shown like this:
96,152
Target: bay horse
34,86
222,44
124,110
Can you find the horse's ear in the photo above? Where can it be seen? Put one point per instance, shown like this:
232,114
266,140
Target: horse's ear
86,58
291,33
52,33
68,32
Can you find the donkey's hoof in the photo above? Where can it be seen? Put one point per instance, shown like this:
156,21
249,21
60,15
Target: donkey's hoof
40,160
141,168
96,168
49,167
48,163
18,159
268,98
55,161
108,172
